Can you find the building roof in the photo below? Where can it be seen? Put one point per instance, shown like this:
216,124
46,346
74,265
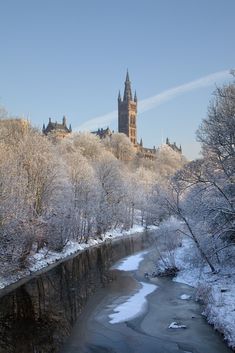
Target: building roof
102,133
56,127
174,146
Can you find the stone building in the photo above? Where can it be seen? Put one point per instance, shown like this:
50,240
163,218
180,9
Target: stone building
56,129
14,128
127,112
127,123
127,120
174,146
19,124
102,133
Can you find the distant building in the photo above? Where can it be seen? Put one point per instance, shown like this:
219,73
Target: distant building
148,153
102,133
127,123
21,122
16,125
57,130
173,146
127,112
127,120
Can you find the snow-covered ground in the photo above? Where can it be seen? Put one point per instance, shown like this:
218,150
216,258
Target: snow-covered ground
217,291
45,257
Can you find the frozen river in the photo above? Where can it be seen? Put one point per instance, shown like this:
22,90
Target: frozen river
133,314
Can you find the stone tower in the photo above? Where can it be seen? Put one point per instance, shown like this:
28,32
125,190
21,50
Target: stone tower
127,112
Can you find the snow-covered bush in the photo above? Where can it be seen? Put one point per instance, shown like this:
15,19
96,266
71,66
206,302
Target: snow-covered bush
203,293
167,241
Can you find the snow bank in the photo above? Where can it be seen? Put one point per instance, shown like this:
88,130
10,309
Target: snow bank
217,291
185,297
133,306
130,263
176,325
44,257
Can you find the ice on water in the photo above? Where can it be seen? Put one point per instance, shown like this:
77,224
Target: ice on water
133,306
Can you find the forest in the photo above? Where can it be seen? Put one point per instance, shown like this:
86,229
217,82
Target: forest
81,187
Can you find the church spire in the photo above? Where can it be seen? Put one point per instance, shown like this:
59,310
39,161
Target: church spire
127,113
135,98
127,92
119,96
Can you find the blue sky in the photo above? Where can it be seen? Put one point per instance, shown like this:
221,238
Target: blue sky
67,57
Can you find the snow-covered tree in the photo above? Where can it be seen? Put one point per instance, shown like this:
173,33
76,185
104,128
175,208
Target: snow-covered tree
89,144
111,188
167,162
201,194
217,131
120,145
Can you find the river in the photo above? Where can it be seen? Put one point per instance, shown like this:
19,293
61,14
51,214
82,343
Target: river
96,301
134,312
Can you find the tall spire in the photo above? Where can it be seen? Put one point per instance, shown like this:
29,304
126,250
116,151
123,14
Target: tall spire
119,96
135,98
127,92
64,120
127,113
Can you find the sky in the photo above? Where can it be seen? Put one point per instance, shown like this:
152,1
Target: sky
69,57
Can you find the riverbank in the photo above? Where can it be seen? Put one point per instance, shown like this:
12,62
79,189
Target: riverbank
38,312
45,257
215,291
134,313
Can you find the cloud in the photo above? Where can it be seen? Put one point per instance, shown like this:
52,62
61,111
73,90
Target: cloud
152,102
100,121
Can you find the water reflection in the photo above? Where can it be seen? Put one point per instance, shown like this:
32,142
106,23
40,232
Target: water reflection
39,315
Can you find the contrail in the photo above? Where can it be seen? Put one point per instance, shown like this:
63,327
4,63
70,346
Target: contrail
152,102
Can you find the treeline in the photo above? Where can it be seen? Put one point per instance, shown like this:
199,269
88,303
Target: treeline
202,194
81,187
53,191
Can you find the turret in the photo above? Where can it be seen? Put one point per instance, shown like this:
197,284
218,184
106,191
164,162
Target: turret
135,98
127,91
64,120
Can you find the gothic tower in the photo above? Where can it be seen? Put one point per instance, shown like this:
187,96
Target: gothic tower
127,112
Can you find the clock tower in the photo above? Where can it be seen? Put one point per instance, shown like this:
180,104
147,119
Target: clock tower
127,112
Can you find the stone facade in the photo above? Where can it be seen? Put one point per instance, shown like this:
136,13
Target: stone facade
18,124
174,146
56,129
127,113
127,122
148,153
